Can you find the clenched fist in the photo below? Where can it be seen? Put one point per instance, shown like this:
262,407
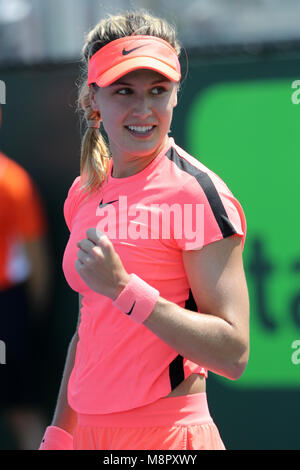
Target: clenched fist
99,266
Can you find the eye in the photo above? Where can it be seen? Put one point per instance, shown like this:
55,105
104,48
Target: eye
124,91
158,90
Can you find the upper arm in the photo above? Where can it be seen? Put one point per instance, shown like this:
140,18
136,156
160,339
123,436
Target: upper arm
217,280
39,254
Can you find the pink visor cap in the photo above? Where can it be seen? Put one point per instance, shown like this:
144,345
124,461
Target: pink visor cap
126,54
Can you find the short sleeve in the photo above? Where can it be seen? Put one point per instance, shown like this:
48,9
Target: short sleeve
209,212
71,203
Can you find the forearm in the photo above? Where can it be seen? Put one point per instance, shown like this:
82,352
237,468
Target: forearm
205,339
64,416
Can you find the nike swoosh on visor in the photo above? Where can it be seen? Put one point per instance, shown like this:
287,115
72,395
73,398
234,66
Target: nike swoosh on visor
124,52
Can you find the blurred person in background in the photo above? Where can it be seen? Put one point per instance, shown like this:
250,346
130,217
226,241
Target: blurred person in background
25,289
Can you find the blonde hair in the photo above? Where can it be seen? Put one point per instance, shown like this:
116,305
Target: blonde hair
95,154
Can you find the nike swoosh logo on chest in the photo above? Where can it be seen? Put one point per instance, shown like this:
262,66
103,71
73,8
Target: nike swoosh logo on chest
106,203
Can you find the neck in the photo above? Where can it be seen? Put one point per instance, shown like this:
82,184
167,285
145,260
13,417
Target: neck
128,165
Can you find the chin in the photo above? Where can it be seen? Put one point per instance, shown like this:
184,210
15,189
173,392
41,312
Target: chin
144,149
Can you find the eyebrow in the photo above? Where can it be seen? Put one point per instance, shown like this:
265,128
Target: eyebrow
160,80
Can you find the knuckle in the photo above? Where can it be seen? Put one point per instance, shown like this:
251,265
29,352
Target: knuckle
97,251
105,242
88,260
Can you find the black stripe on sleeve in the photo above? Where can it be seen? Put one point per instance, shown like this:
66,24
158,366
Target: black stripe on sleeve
209,189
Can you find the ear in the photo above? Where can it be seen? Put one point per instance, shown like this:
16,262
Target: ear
94,105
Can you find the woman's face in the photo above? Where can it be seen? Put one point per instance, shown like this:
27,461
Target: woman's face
144,99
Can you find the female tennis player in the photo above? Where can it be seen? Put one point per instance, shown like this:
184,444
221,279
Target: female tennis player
155,253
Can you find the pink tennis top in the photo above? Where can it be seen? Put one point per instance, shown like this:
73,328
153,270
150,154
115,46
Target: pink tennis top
174,204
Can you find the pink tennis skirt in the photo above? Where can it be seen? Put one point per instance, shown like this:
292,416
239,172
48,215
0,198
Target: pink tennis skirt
172,423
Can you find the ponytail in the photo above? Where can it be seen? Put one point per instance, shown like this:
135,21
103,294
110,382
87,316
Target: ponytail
95,154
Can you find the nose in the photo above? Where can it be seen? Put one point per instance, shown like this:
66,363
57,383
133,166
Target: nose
141,108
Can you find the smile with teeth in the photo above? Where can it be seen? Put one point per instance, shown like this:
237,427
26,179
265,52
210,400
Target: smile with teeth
140,129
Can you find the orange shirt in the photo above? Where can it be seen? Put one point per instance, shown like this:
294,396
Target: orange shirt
21,218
